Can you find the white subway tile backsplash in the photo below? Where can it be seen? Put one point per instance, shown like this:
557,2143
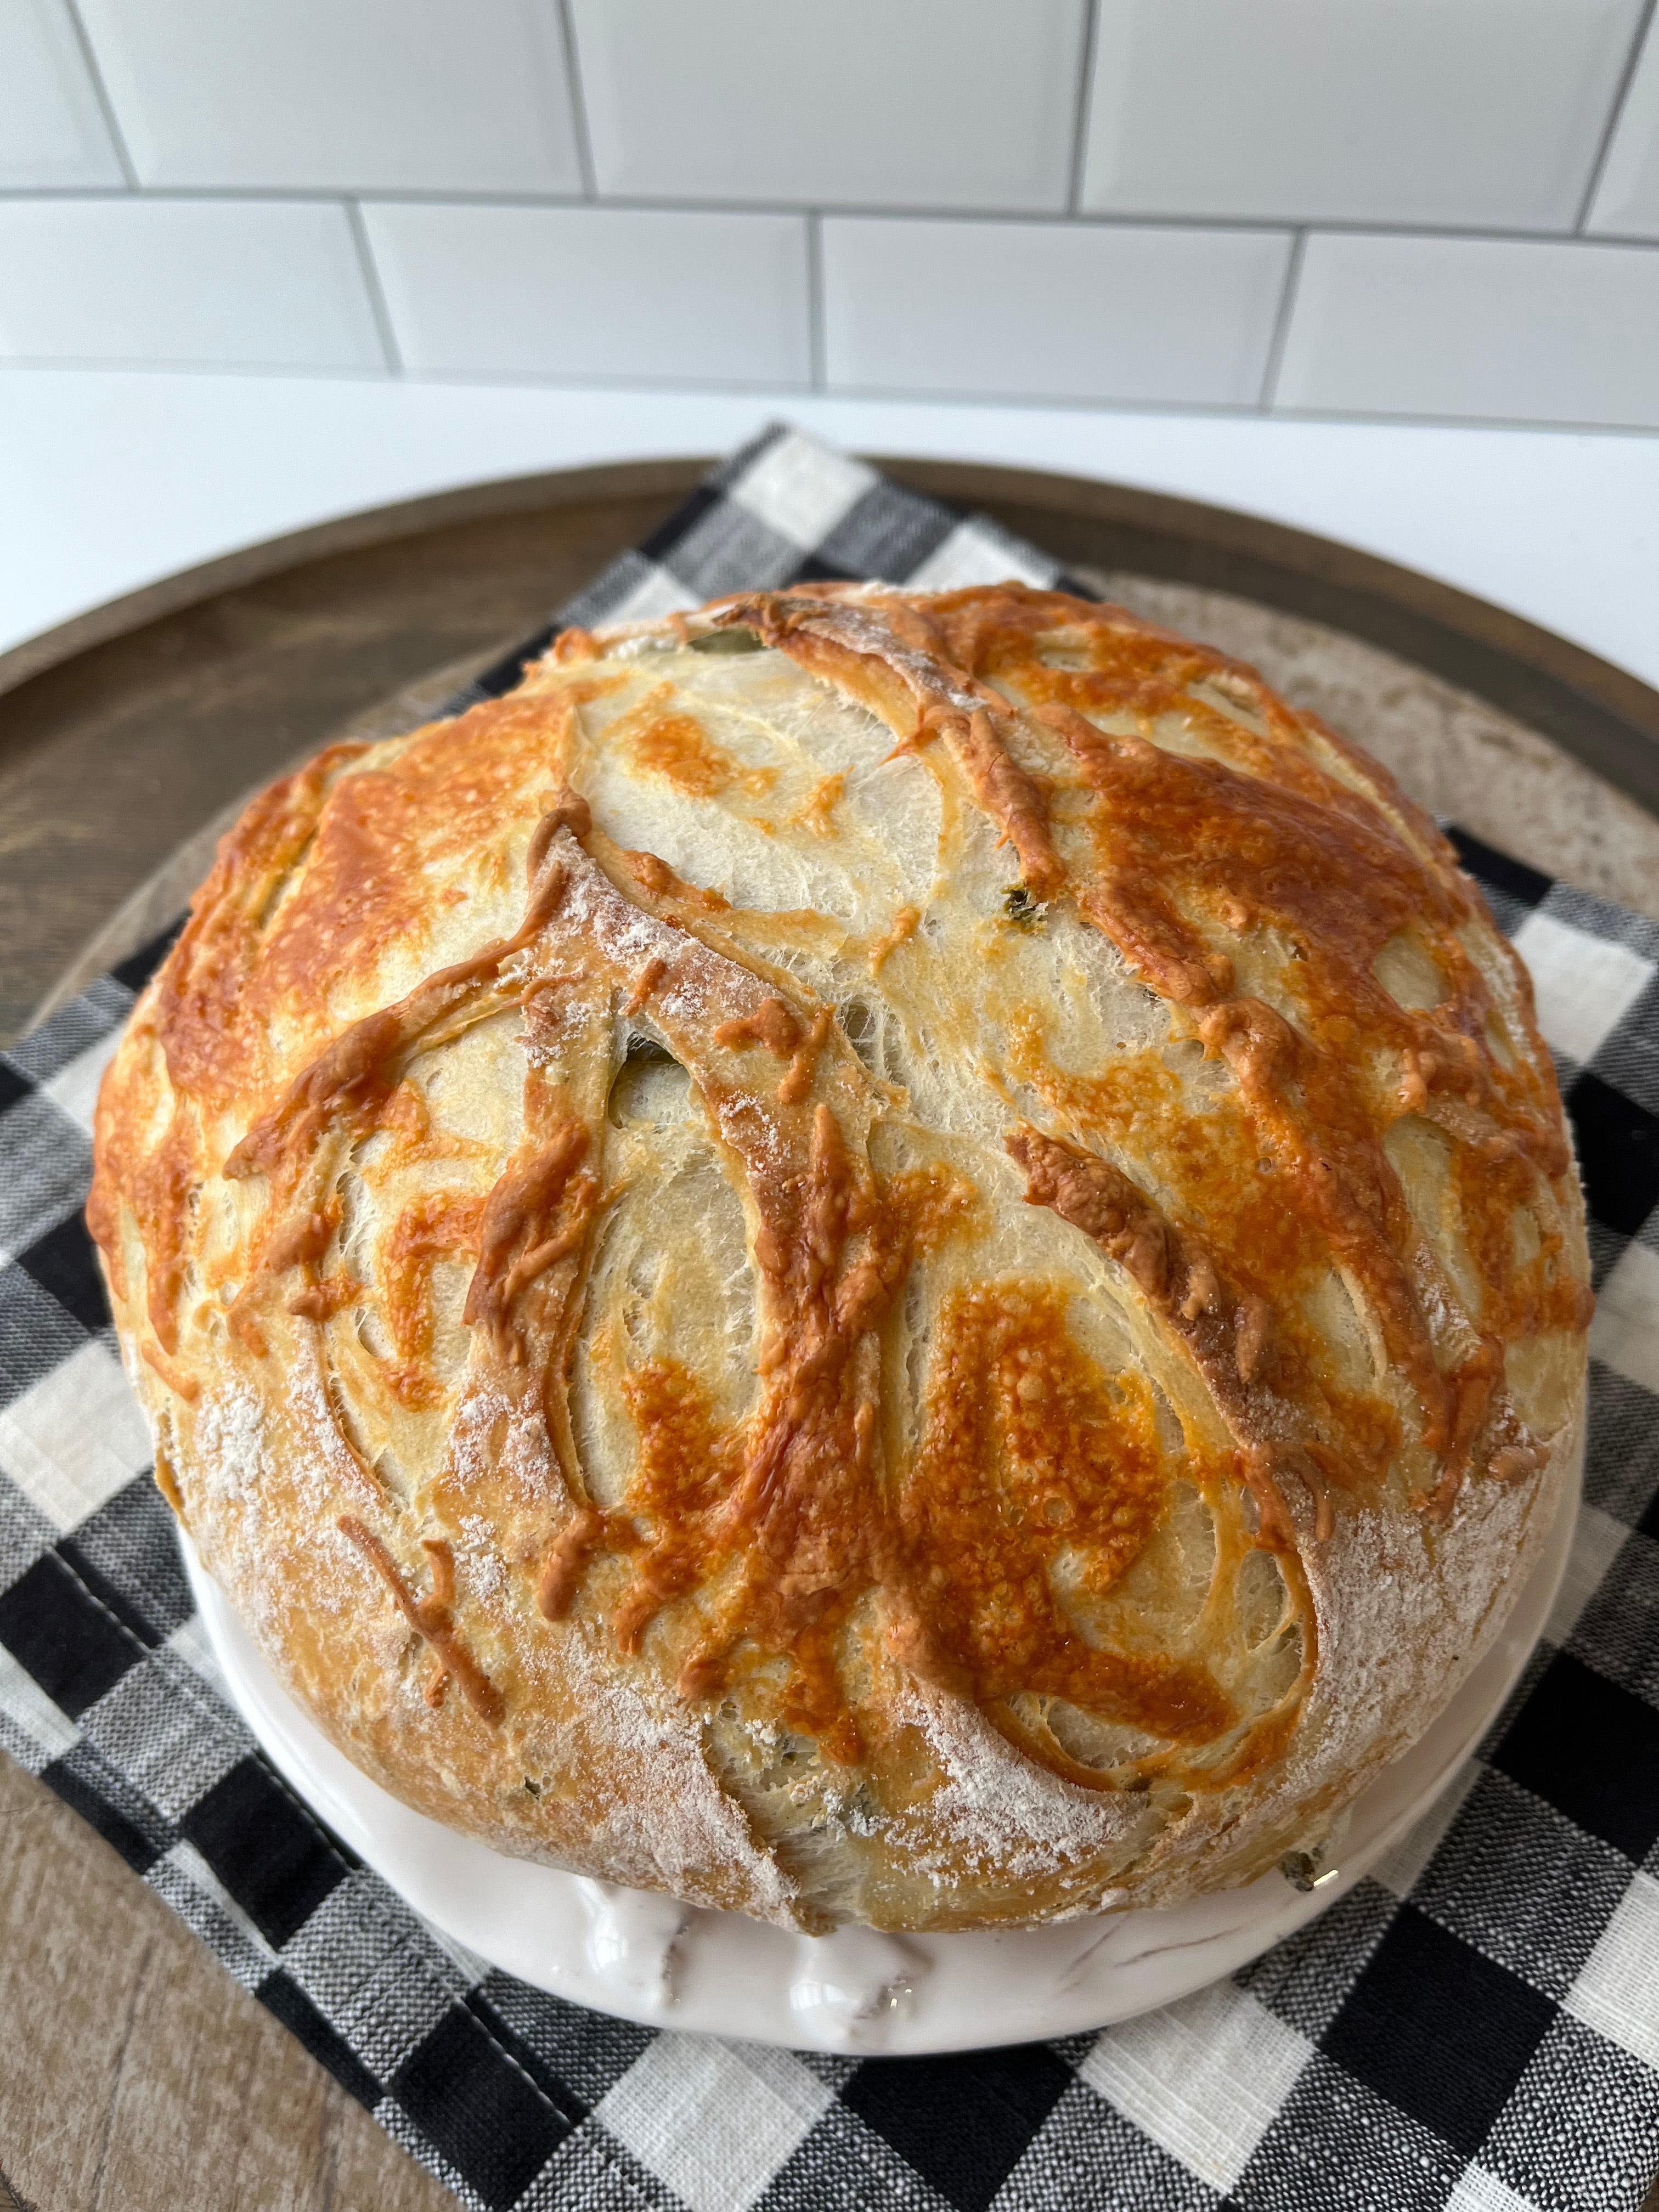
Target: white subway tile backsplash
930,103
876,196
1055,311
1472,113
671,294
1510,328
349,95
1627,196
52,133
184,283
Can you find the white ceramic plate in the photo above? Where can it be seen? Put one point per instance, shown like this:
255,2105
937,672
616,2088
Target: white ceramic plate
647,1957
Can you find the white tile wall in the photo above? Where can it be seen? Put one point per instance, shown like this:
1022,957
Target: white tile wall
343,95
1061,311
1469,112
658,295
215,284
53,130
927,103
1460,326
1627,200
1433,208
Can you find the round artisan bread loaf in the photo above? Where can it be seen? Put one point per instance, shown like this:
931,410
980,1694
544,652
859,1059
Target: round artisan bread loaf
866,1255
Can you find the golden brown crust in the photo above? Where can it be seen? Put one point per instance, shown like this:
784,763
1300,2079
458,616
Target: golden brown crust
887,1391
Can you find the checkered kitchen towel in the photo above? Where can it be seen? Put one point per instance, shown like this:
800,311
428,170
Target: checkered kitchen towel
1474,2026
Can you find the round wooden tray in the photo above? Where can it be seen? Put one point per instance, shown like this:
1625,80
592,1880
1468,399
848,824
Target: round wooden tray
140,2074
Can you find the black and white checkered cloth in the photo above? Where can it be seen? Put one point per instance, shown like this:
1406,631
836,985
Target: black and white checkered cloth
1474,2026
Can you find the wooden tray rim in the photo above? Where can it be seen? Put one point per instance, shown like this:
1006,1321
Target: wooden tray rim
1603,714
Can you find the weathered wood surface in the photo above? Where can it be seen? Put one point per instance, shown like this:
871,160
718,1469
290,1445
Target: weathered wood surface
136,2075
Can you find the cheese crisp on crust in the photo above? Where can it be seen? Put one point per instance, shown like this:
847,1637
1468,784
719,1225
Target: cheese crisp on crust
866,1255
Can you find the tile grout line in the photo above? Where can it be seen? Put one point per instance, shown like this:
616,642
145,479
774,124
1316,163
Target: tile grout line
101,92
1615,111
577,93
1269,391
1085,105
1222,225
369,268
816,356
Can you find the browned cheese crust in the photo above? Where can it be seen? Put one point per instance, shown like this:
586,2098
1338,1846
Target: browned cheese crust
905,1257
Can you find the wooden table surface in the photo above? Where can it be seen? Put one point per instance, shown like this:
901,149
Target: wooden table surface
135,2074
